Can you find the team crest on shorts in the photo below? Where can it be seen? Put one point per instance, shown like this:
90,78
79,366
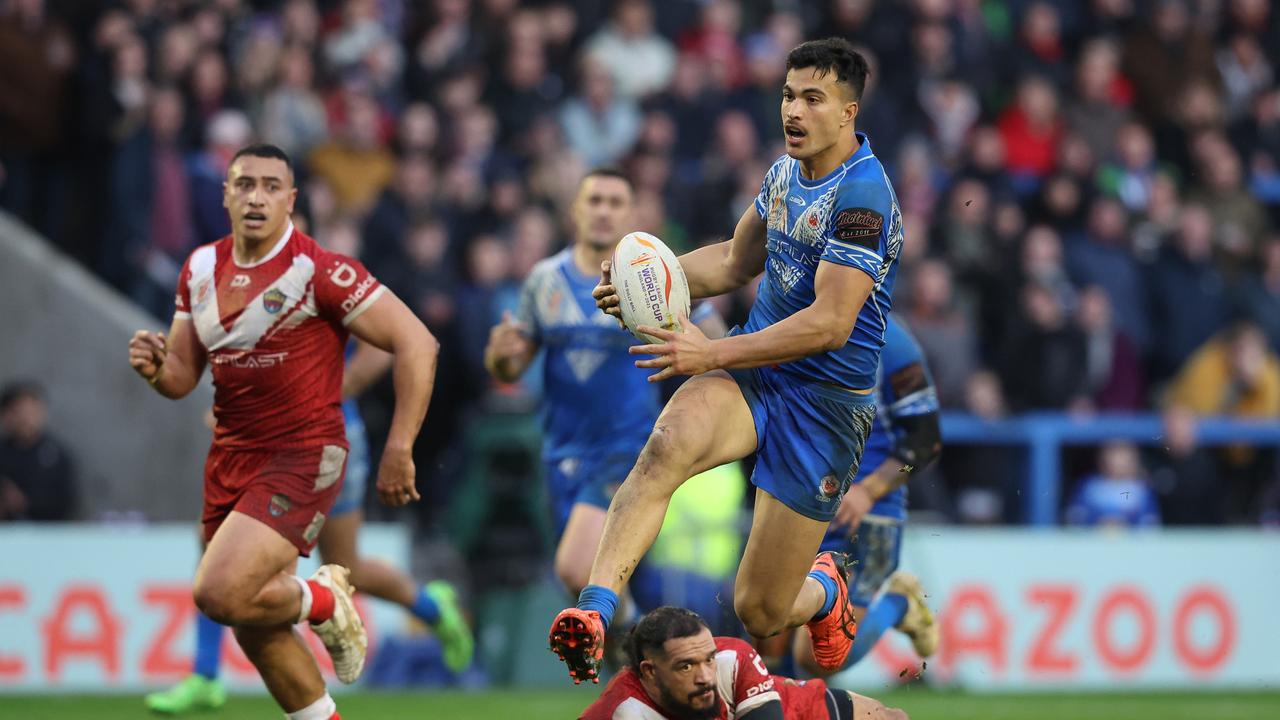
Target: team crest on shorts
273,300
279,505
830,487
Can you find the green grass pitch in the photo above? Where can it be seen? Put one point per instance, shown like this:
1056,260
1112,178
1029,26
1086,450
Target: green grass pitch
920,703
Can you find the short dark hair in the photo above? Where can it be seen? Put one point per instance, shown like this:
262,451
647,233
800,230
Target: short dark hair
263,150
832,55
19,389
659,626
611,171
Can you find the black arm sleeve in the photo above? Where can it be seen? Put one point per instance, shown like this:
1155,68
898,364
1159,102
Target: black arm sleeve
771,710
918,440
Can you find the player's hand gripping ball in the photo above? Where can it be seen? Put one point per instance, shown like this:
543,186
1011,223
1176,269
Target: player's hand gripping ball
649,285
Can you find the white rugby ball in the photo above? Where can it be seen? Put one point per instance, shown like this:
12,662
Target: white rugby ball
651,285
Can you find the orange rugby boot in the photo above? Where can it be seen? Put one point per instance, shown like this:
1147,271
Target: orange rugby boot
577,637
833,634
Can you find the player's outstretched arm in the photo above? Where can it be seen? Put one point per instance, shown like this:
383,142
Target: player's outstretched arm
388,324
726,266
171,364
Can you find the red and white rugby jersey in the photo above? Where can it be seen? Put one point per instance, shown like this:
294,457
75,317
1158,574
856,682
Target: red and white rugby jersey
274,332
742,682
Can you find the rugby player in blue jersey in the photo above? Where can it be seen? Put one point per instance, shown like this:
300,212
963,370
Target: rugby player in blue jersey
597,406
826,231
868,525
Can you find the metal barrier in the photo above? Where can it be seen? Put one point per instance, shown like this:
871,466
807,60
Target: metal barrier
1045,434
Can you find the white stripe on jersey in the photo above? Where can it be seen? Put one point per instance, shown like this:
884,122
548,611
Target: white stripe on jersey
254,321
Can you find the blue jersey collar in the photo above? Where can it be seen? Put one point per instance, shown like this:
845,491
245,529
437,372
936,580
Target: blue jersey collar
862,153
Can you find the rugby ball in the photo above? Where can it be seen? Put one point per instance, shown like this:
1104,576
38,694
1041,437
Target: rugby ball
650,283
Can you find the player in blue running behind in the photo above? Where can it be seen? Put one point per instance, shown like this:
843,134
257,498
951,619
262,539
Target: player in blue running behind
434,604
597,407
868,526
826,231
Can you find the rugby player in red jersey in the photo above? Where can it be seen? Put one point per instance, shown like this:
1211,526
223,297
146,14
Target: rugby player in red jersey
270,312
679,671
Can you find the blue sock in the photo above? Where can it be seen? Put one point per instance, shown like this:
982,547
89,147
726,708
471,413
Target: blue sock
885,612
601,599
425,609
208,646
828,584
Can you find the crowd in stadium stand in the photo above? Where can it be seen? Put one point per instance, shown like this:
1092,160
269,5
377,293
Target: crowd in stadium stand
1090,190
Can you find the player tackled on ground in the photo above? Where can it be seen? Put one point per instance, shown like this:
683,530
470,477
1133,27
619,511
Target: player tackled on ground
678,671
270,312
826,231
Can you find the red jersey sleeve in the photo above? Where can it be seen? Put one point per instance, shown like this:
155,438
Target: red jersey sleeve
344,288
182,300
753,686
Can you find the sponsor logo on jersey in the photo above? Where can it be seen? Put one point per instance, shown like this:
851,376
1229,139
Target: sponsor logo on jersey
860,226
279,505
239,281
797,200
273,300
358,294
246,360
343,275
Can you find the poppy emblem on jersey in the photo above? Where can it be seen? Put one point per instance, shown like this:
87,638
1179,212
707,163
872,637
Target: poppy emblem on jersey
273,300
279,505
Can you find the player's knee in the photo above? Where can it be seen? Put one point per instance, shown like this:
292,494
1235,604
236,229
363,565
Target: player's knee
667,445
214,602
760,617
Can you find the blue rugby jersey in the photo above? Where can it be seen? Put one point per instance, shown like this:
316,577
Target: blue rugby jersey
850,217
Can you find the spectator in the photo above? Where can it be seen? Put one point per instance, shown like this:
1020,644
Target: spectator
37,474
1258,296
1045,361
227,132
1165,55
1098,109
944,330
1134,170
640,60
357,164
293,115
1114,376
1102,257
1185,269
599,126
1032,129
1118,496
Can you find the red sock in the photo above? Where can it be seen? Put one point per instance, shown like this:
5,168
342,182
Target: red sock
321,603
336,716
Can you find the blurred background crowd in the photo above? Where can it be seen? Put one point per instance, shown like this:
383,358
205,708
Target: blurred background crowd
1090,190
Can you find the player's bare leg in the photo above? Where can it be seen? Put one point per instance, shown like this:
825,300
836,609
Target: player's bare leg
286,665
866,708
339,544
578,544
242,582
706,424
773,590
242,577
